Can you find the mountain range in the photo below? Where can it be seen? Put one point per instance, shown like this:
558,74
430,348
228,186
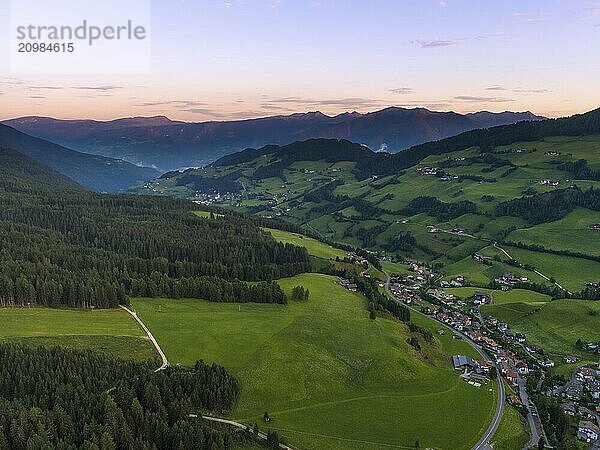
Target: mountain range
168,145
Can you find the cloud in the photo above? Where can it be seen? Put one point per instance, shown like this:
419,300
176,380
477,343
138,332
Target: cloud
402,90
346,103
475,99
12,82
97,88
50,88
518,90
175,103
425,43
529,16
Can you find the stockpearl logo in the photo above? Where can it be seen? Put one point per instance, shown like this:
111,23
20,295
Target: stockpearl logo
84,36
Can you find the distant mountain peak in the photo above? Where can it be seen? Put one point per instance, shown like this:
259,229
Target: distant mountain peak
157,141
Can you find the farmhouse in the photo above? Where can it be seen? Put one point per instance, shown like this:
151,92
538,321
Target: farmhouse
587,431
512,377
549,182
482,298
461,362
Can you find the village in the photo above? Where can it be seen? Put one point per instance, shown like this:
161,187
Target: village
510,355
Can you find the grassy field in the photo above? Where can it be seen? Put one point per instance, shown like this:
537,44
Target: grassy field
109,331
503,297
556,325
329,376
572,273
511,433
314,247
571,233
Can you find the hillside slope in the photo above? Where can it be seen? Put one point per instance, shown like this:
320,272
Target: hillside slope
442,202
93,172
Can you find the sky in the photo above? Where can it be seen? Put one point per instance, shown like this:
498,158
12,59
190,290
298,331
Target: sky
238,59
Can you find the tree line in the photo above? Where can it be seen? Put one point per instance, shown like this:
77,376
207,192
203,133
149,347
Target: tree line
549,206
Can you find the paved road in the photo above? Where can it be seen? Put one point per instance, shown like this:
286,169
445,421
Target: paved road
533,421
483,443
165,362
238,425
535,436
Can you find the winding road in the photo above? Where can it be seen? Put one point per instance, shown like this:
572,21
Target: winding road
165,362
483,443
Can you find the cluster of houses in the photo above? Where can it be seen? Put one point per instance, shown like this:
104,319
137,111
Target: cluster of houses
458,281
348,285
406,294
511,366
595,226
582,395
584,384
508,281
549,182
436,171
210,198
454,319
357,259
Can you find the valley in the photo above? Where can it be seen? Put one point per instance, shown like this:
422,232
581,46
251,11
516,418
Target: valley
353,309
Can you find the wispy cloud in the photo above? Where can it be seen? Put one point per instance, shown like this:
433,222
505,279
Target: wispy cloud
529,16
173,103
518,90
97,88
402,90
46,88
346,103
481,99
426,43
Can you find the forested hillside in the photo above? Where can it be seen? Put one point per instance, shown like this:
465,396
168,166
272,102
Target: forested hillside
64,399
61,245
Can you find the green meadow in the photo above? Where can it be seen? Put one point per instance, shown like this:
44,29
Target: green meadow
572,273
573,233
503,297
511,433
109,331
314,247
554,326
328,375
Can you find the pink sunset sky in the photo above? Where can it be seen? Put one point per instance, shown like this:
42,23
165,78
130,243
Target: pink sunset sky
237,59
